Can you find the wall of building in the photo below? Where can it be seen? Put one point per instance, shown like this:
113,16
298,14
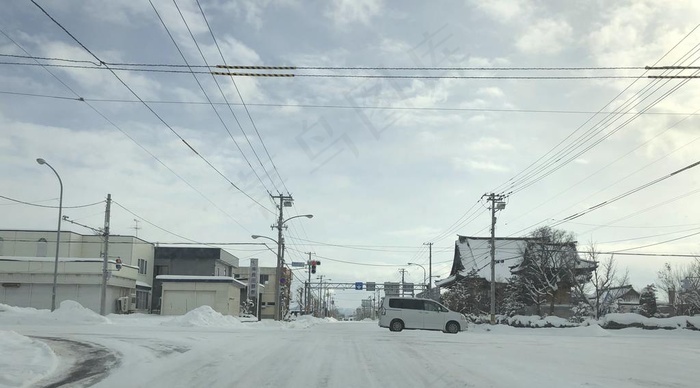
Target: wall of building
29,283
182,297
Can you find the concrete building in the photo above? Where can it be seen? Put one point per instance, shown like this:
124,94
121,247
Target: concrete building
27,265
267,305
181,294
189,261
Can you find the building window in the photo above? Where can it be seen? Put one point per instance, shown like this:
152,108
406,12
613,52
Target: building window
143,266
162,270
42,247
264,279
142,299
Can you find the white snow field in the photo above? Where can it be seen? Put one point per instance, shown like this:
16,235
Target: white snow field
75,347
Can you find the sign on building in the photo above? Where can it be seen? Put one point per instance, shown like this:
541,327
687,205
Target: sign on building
366,303
253,279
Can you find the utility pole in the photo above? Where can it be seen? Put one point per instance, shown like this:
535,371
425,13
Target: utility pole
307,285
430,265
285,200
497,203
105,259
403,274
320,296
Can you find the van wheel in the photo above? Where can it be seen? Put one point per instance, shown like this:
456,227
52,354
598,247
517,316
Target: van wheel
396,325
452,327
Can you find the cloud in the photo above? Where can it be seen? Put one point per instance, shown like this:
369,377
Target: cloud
478,165
545,37
489,144
504,10
344,12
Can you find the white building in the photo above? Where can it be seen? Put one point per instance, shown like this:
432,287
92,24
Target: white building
27,265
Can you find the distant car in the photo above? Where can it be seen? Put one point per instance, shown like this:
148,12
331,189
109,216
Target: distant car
398,313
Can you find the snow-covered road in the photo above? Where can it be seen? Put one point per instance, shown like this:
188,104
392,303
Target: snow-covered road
155,351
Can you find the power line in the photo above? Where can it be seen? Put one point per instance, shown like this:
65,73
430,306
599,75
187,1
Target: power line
48,206
113,124
240,96
352,107
150,109
529,174
202,87
106,66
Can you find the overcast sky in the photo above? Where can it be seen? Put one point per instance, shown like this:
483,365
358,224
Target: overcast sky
384,164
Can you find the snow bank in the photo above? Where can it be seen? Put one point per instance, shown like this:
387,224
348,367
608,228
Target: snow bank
620,321
306,321
68,312
203,316
23,361
536,321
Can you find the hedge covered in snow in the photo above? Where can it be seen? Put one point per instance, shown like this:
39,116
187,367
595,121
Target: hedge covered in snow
609,321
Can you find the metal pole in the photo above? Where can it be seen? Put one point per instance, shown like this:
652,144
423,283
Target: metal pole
492,198
58,234
105,259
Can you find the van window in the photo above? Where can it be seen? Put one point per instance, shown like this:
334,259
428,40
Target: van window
411,304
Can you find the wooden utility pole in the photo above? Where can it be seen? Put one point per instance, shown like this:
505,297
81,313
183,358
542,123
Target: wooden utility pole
496,204
105,259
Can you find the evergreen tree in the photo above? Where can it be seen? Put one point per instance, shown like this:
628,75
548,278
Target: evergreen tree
515,296
647,301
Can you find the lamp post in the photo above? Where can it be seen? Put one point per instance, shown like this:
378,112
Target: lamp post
423,272
280,260
58,234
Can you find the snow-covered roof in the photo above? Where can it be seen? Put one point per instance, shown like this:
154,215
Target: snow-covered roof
143,284
614,293
474,253
204,279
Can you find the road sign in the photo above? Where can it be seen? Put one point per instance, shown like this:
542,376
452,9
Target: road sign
358,285
298,264
370,286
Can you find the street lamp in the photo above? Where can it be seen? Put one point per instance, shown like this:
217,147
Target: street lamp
280,260
423,271
58,234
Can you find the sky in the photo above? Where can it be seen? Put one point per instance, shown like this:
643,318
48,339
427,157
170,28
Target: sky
383,134
76,345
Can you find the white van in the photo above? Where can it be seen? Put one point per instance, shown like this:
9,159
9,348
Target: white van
414,313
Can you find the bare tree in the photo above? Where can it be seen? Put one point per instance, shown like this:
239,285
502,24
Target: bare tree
549,262
682,286
603,280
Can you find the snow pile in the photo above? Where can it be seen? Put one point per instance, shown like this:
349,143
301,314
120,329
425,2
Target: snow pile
536,321
23,361
203,316
72,311
69,312
306,321
621,321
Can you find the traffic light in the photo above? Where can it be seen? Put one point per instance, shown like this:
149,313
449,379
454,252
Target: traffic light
313,266
118,263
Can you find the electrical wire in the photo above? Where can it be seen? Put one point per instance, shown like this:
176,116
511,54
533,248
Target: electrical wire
149,107
49,206
133,140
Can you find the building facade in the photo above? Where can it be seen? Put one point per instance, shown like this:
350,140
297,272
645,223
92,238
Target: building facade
27,260
189,261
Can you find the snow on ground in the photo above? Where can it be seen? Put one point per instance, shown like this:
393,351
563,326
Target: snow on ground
68,312
203,348
23,361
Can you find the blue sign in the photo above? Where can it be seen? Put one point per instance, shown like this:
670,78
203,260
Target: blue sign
358,285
